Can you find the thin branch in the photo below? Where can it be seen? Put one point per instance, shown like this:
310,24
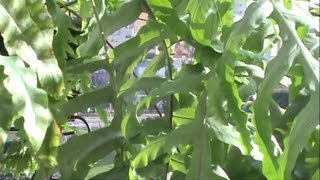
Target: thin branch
109,44
150,12
100,28
169,65
69,10
142,19
147,93
63,5
116,104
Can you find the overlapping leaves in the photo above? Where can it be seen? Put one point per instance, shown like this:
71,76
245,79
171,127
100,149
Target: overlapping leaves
110,23
27,30
28,100
229,67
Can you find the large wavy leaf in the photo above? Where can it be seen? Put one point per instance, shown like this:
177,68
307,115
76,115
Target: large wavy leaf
77,155
49,149
308,118
90,99
27,30
275,70
28,100
163,144
225,133
48,152
200,165
254,15
204,20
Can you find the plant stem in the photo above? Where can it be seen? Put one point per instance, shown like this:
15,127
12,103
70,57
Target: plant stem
116,102
147,93
100,28
136,76
170,114
169,65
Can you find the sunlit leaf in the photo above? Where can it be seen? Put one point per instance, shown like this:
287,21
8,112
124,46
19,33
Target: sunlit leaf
166,13
238,35
183,116
294,142
208,123
225,133
49,151
129,126
27,30
29,101
274,73
180,162
288,4
204,20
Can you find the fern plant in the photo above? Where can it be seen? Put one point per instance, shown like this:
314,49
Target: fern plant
50,49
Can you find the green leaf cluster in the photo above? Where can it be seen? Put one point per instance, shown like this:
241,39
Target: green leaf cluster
207,127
